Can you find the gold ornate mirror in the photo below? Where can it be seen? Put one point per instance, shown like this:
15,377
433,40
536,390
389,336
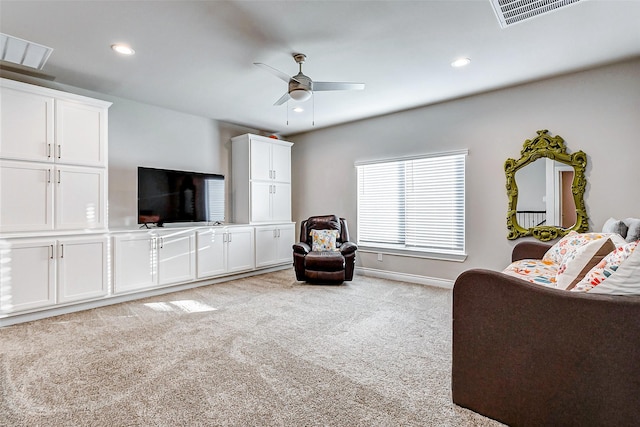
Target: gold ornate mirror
552,184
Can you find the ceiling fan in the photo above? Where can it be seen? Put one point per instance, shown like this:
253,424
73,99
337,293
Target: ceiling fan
302,87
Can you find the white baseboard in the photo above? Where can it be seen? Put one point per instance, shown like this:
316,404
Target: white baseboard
405,277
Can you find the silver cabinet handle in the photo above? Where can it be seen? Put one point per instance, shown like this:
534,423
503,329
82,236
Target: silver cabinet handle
48,176
58,176
274,174
59,150
51,255
49,151
61,250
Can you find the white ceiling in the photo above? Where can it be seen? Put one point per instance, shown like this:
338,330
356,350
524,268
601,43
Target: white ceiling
197,56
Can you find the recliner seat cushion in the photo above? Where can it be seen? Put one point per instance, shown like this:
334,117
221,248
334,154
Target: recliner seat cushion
325,261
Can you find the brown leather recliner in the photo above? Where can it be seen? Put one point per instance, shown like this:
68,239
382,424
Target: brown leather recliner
324,267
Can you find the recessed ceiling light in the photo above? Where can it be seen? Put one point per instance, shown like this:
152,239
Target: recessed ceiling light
298,109
123,49
460,62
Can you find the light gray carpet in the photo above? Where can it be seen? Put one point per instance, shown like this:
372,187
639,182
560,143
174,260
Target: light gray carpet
260,351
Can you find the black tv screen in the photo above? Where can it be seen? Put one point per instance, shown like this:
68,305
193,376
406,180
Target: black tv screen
179,196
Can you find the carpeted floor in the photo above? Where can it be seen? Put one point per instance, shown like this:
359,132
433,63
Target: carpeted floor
260,351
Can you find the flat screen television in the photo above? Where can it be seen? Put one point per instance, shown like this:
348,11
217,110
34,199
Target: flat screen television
169,196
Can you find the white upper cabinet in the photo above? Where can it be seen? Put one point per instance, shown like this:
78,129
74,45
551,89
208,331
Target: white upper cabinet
54,170
81,134
26,125
270,160
46,125
261,180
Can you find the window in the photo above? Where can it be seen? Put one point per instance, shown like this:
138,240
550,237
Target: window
413,204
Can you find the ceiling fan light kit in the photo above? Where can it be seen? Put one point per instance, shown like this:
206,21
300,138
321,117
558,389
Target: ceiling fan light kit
300,94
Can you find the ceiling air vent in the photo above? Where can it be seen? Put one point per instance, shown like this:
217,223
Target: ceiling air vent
511,12
23,52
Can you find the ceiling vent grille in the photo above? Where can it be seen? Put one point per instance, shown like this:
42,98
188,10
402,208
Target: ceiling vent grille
511,12
23,52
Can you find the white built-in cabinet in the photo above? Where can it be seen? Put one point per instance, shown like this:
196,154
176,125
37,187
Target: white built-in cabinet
55,249
53,160
274,244
53,198
261,179
145,260
224,250
42,272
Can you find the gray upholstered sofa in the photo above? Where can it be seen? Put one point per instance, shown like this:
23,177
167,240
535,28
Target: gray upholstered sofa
528,355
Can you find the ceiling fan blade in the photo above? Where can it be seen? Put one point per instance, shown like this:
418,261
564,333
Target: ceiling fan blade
275,72
323,86
284,98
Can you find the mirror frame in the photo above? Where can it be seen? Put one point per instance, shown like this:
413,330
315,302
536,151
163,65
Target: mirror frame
552,148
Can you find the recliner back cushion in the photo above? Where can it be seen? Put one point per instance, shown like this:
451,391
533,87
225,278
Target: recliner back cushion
326,222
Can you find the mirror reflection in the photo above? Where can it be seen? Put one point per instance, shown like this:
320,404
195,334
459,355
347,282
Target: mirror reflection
544,194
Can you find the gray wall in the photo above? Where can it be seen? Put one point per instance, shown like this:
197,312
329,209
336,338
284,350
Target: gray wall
145,135
596,111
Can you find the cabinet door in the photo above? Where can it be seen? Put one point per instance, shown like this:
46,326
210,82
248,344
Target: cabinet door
210,252
265,246
260,160
176,258
281,202
240,254
135,261
261,201
27,275
80,197
285,239
25,197
27,125
82,268
281,162
81,134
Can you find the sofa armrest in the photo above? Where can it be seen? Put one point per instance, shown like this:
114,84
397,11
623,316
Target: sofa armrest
529,249
528,355
301,248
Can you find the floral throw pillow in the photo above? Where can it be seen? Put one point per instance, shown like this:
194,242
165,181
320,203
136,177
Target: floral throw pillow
605,268
324,240
572,241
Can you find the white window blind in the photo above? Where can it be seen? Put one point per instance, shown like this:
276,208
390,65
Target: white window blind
413,204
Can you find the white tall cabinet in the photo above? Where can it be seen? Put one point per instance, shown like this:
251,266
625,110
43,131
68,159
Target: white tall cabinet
53,198
261,179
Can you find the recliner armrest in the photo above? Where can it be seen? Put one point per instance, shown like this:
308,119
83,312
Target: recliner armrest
301,248
348,248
